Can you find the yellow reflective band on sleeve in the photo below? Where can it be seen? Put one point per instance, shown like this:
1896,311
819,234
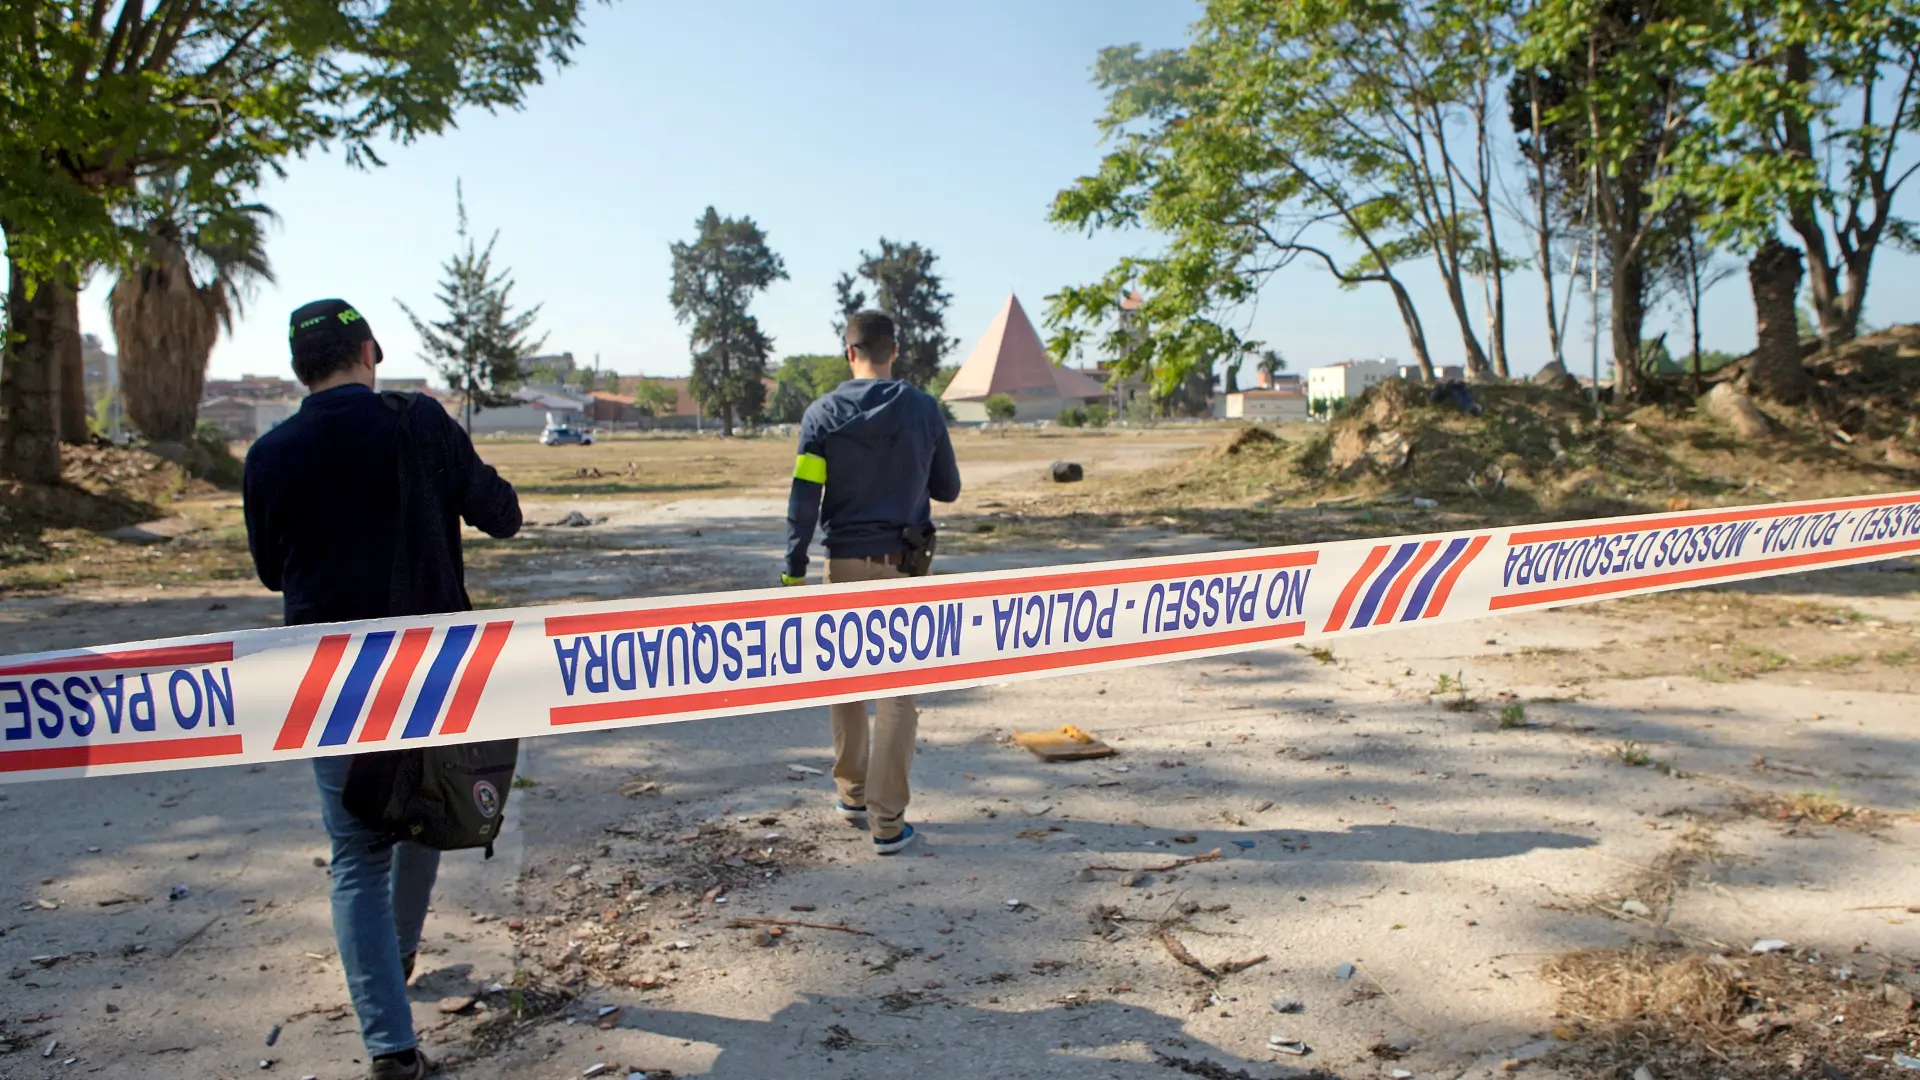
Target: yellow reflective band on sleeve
810,467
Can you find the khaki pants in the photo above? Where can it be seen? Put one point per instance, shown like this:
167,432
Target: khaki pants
870,766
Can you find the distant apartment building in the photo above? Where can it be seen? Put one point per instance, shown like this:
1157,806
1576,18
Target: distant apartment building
244,419
1274,399
254,387
1348,380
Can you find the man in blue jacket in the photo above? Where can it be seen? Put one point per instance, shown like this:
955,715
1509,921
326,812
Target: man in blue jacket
353,511
872,454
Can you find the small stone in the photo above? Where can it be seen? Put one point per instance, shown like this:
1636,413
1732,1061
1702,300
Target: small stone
1635,907
1292,1047
800,907
1344,971
804,770
1133,879
457,1004
1896,996
179,892
763,939
1643,1073
112,1008
576,870
1768,945
1288,1005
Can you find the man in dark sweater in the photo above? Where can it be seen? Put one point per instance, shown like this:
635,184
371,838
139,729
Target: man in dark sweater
872,454
324,498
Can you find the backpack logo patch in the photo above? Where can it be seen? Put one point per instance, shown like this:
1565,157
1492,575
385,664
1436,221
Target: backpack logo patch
486,799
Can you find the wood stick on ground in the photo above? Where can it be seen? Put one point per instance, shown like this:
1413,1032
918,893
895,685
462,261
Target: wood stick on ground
189,939
1232,966
747,923
1211,856
1911,909
1179,952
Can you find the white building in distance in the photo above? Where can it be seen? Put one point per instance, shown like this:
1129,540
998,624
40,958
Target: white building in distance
1348,379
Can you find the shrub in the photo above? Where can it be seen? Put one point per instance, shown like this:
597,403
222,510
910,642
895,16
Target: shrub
1072,416
1097,416
1001,408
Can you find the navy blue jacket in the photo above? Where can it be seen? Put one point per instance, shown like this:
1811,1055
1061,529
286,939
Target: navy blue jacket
322,495
880,450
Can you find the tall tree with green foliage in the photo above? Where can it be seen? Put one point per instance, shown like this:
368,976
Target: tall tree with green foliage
477,347
168,309
905,287
1809,112
1210,152
654,398
103,95
802,380
715,278
1622,82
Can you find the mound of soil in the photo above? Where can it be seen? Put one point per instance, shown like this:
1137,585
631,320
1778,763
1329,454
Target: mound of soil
1872,384
1536,443
101,488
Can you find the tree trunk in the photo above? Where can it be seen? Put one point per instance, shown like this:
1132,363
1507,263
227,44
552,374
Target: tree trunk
1628,308
1416,334
74,406
1775,371
1477,367
29,385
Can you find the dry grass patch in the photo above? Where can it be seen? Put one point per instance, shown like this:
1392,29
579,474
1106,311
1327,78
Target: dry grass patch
1815,808
1695,1013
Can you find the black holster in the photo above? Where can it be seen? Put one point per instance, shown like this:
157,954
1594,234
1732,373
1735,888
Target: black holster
918,559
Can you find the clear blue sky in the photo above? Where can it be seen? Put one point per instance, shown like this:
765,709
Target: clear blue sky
831,125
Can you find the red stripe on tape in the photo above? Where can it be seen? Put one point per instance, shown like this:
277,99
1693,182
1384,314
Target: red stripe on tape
1698,573
894,680
393,687
313,688
1445,588
1345,603
473,680
220,652
75,757
809,601
1391,605
1576,532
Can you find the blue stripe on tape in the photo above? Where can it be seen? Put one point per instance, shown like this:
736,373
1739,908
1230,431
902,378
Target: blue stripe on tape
1379,588
353,693
1418,601
426,708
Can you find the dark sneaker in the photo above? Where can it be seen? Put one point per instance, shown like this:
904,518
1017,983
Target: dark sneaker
411,1066
406,965
895,844
856,815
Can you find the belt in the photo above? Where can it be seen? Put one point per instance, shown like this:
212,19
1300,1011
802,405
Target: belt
891,558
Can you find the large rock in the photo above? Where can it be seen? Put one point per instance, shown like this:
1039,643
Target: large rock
1555,377
1731,407
1067,472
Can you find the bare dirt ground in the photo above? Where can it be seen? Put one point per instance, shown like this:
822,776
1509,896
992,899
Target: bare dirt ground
1413,830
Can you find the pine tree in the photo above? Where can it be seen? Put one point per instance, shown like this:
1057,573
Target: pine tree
714,279
477,348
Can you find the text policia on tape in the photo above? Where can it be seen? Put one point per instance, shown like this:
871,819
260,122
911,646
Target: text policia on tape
309,691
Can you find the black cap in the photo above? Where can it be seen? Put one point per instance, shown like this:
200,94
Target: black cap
328,321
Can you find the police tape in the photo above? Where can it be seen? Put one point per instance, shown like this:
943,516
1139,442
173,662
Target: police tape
312,691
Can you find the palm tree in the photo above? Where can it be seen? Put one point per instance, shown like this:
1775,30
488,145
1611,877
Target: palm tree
166,320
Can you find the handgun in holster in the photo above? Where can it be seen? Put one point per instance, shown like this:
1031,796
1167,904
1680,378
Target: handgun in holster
918,560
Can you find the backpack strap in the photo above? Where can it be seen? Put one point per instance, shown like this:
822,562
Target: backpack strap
401,579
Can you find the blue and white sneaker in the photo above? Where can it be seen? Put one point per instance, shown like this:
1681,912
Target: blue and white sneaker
897,844
856,815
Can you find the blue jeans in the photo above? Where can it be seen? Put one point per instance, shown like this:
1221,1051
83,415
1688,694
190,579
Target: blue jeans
380,895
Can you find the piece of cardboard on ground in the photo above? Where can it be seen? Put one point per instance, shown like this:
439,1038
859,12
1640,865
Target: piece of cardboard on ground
1067,744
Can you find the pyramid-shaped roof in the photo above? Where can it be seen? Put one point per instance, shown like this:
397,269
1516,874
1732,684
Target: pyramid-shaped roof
1008,359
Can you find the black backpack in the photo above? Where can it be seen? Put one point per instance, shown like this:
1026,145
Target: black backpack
444,797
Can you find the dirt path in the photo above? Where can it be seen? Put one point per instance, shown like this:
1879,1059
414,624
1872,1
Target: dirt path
1360,818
